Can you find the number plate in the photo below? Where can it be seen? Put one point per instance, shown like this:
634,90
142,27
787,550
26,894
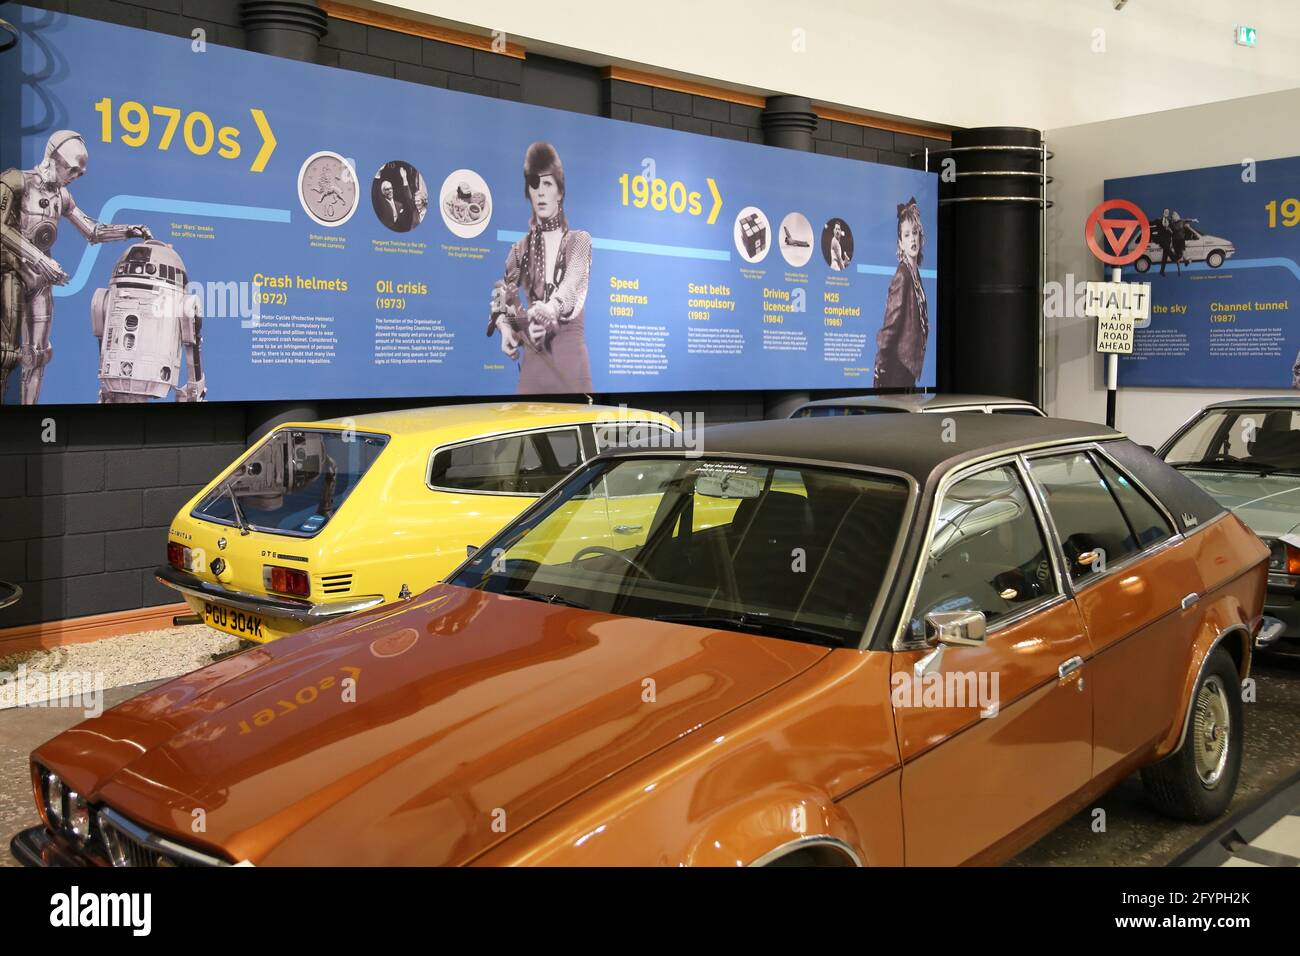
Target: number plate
238,623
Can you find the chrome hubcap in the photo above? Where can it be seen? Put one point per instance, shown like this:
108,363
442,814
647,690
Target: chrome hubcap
1211,731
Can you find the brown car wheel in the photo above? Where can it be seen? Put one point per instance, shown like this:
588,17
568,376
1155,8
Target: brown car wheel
1197,781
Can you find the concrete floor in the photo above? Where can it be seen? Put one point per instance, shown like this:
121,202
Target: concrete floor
22,730
1135,834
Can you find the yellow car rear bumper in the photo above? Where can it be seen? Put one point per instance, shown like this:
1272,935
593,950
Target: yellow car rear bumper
285,615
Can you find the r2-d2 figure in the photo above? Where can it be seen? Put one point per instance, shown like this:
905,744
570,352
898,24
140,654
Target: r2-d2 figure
143,320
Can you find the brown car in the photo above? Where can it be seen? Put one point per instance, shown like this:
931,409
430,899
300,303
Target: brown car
866,640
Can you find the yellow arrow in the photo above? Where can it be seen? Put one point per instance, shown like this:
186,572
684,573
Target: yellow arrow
717,201
268,141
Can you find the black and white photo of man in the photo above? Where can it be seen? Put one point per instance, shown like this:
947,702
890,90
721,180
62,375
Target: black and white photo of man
390,213
1163,234
399,196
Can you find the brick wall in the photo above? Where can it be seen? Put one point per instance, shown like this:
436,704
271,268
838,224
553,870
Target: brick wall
83,518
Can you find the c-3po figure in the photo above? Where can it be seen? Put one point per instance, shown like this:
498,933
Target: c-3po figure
32,201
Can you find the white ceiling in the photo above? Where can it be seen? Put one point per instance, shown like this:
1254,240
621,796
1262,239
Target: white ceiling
953,62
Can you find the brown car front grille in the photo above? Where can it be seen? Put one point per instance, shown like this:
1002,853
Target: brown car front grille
129,844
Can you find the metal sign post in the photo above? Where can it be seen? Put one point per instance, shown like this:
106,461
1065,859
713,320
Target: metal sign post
1117,306
1112,368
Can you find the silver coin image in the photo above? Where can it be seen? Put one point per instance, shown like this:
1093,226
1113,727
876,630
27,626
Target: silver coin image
327,188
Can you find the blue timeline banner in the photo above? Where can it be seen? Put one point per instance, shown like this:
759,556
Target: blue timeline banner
1224,266
247,227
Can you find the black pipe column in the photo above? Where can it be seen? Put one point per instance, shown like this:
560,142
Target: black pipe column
288,28
292,29
788,121
990,234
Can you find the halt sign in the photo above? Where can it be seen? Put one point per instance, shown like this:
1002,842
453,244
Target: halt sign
1117,306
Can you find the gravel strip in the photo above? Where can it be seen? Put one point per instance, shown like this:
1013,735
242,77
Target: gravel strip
111,662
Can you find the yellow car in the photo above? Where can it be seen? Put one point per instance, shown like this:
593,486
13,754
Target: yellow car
321,519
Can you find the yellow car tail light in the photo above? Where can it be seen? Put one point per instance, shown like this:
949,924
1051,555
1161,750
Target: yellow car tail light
286,580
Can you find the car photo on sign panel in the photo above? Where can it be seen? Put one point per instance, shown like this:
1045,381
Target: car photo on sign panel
1181,241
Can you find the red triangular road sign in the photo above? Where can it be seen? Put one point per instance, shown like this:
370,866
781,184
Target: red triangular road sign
1118,232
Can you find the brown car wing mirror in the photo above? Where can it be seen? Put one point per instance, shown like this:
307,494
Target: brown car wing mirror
956,628
946,629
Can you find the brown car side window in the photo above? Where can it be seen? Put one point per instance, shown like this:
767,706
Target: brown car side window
988,552
1094,532
1148,524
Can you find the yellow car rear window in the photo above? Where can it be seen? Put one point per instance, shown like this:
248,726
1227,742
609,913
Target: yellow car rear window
294,482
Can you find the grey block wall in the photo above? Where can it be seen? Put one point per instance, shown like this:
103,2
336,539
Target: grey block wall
670,109
87,493
873,145
83,518
639,103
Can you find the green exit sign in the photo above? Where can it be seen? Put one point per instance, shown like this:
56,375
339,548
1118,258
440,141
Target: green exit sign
1246,36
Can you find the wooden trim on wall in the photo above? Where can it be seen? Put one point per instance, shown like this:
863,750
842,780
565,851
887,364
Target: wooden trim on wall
418,28
682,86
839,115
82,630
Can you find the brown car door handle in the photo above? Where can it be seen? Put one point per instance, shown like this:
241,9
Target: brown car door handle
1069,667
1190,599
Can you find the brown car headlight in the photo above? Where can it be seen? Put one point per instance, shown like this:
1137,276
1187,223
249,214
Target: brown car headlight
78,817
67,811
54,798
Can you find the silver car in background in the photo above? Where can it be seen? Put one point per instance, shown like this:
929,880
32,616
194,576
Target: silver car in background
1246,455
915,402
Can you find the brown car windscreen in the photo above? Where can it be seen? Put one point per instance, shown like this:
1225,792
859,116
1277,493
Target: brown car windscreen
783,550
